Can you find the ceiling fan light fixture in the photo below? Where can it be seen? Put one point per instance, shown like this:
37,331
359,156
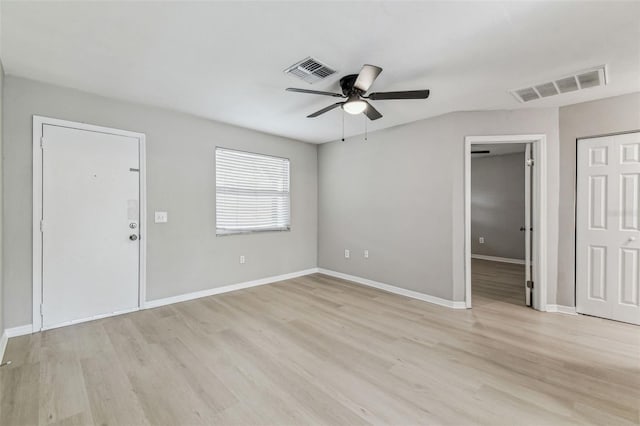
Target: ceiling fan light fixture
354,87
354,106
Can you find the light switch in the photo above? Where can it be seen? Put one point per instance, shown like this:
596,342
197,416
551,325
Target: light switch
347,254
162,217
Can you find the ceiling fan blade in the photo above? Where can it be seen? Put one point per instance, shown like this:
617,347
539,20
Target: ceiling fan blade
367,76
371,112
326,109
407,94
315,92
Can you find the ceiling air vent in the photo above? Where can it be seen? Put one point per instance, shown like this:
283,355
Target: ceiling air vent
310,70
568,84
547,89
528,94
578,81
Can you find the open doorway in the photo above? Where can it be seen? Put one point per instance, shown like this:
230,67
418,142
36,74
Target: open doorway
500,243
504,220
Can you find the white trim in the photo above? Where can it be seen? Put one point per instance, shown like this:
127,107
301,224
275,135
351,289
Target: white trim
142,226
12,332
28,329
38,123
540,208
396,290
225,289
498,259
4,339
18,331
92,318
569,310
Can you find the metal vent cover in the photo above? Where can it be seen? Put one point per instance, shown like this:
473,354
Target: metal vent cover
593,77
310,70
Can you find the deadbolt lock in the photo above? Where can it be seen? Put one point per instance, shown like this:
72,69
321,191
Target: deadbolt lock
133,237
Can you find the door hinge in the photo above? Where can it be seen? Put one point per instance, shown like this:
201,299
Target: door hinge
529,284
41,310
41,225
530,162
42,143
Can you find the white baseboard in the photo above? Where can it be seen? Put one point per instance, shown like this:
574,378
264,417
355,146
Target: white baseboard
569,310
3,344
13,332
225,289
28,329
498,259
93,318
394,289
19,331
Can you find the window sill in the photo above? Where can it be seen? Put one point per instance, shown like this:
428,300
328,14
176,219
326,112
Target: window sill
250,231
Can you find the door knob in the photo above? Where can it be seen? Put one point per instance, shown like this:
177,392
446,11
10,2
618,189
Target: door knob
133,237
631,239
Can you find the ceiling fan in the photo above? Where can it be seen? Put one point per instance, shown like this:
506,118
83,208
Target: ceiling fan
354,87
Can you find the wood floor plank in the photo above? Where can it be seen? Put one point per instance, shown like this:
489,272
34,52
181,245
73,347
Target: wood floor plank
322,350
19,387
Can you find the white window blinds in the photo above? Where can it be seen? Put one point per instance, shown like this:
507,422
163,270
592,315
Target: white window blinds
252,192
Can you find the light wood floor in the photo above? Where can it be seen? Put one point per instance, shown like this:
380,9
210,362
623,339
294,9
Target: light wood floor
318,350
497,282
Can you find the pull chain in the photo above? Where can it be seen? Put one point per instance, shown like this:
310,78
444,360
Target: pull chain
365,127
342,125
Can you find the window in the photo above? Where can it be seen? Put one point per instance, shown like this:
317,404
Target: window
252,192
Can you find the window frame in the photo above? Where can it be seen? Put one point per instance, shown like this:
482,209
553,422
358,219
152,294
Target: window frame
248,231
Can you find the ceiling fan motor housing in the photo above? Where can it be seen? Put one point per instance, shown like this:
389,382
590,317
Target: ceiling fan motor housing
347,82
354,87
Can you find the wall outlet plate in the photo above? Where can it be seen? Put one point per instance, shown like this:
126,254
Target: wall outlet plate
347,254
366,254
161,217
481,240
242,260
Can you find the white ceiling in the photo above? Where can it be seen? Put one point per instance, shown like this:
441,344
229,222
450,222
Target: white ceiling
224,60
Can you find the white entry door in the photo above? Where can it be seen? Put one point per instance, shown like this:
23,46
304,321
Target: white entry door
608,227
90,224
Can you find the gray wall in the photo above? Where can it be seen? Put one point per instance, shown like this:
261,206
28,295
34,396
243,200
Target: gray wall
497,205
2,322
610,115
184,255
401,196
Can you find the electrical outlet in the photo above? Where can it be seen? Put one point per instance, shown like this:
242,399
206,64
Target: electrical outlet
366,254
242,260
347,254
481,239
161,217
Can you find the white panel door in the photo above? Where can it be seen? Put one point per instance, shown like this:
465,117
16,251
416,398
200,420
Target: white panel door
608,227
90,238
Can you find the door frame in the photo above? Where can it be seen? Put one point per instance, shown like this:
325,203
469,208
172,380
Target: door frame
38,124
539,147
